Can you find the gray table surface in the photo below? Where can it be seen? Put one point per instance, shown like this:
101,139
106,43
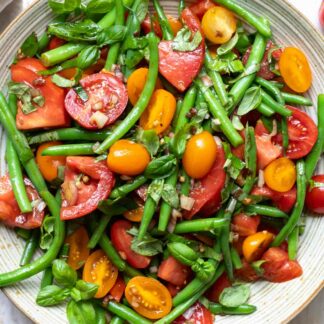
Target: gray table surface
9,314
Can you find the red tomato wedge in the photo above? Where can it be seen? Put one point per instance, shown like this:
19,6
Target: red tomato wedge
181,68
217,288
245,225
86,183
117,291
10,213
201,6
246,273
197,314
107,101
122,242
52,114
55,42
207,193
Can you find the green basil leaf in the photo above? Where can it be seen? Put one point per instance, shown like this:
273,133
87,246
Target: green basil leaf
82,312
253,69
135,43
87,57
227,47
62,82
251,100
161,167
170,196
179,141
47,232
117,207
111,35
155,190
52,295
64,274
83,290
64,6
142,10
227,190
133,57
234,166
39,101
30,46
81,93
257,266
149,139
100,6
182,42
235,296
236,121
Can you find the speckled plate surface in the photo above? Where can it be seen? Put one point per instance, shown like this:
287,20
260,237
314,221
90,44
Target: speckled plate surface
277,303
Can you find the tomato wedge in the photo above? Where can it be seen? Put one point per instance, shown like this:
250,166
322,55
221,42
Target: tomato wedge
86,183
246,273
122,242
197,314
117,291
207,193
181,68
245,225
107,99
217,288
201,7
10,213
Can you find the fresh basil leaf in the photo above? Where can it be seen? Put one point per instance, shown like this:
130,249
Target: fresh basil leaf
257,266
83,290
87,57
62,82
111,35
227,47
82,312
100,6
149,139
235,296
39,101
227,190
29,47
250,150
233,166
170,195
161,167
179,141
52,295
155,190
142,10
182,42
117,207
251,100
201,114
81,93
64,6
253,69
64,274
47,232
226,64
133,57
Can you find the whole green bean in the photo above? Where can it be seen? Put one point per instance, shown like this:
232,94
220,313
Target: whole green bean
116,320
148,213
30,248
143,101
296,99
108,20
293,239
278,108
163,21
125,189
177,112
100,229
265,110
69,150
199,225
64,253
265,211
47,278
23,233
299,205
236,260
284,132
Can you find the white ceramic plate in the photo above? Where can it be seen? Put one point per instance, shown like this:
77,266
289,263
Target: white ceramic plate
277,303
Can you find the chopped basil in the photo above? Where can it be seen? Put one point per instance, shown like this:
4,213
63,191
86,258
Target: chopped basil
251,100
235,296
161,167
62,82
149,139
30,46
81,93
182,42
170,195
227,47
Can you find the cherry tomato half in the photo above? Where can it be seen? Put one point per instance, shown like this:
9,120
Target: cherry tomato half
135,215
197,314
117,291
315,195
148,297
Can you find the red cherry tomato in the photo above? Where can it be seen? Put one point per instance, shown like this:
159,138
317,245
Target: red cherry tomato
122,242
199,8
117,291
217,288
246,273
10,213
197,314
207,193
181,68
55,42
52,113
321,14
107,101
86,183
315,195
173,271
245,225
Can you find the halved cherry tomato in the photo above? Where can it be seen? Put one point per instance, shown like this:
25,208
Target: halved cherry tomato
78,248
217,288
86,183
135,215
147,24
148,297
117,291
128,158
99,269
159,113
122,242
107,101
197,314
48,165
174,272
246,273
315,195
55,42
200,145
219,25
201,7
255,245
181,68
295,69
245,225
136,83
10,213
52,113
207,192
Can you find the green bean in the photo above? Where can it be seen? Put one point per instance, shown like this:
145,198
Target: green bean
185,185
143,101
278,108
23,233
116,320
148,213
299,205
265,211
314,156
163,21
100,229
265,110
260,25
182,5
219,112
176,114
236,260
47,278
30,248
296,99
293,239
199,225
126,313
272,89
284,132
108,20
125,189
69,150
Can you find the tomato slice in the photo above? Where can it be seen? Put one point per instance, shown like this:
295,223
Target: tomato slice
107,98
315,196
173,271
117,291
52,114
197,314
122,242
181,68
217,288
201,7
245,225
86,183
207,193
10,213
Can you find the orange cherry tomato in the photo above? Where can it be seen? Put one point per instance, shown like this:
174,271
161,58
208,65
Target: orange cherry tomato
78,248
219,25
48,165
255,245
128,158
148,297
200,155
160,111
98,269
280,174
136,83
295,69
135,215
175,24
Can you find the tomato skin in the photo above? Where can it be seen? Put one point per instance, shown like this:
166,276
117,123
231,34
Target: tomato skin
135,215
246,273
122,242
173,289
321,14
10,213
174,272
107,95
147,23
315,196
80,199
181,68
201,7
117,291
217,288
55,42
199,315
245,225
207,194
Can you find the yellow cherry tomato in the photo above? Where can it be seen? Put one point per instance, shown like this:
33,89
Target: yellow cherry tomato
136,83
200,155
135,215
160,111
148,297
255,245
128,158
280,175
295,69
175,24
219,25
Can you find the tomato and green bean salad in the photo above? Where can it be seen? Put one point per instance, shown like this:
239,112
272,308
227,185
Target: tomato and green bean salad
161,164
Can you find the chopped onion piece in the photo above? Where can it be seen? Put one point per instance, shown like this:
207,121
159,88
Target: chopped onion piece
186,203
261,179
99,119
